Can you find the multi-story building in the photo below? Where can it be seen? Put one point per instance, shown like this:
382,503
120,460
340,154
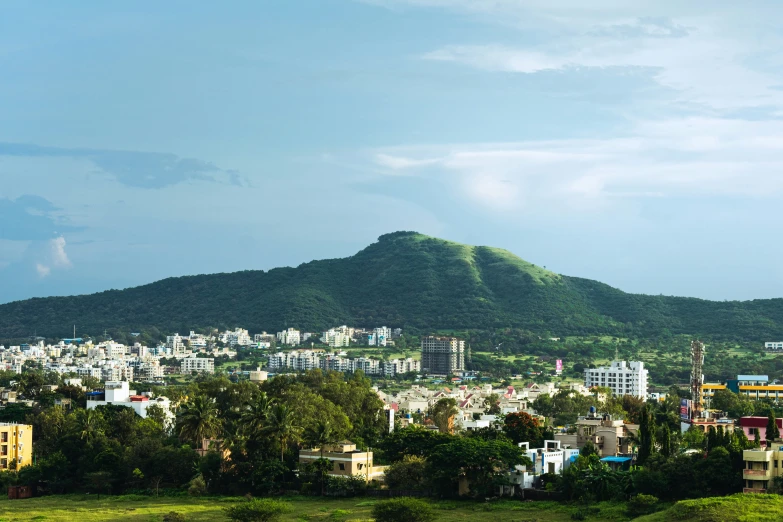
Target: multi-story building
197,341
367,365
175,345
119,394
238,337
290,337
346,461
442,355
198,364
761,466
774,346
16,445
754,387
621,377
400,366
335,338
297,360
380,336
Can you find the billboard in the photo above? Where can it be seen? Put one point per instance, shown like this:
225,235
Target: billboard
685,409
559,366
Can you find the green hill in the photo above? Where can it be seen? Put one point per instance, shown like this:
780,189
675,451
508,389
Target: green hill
405,279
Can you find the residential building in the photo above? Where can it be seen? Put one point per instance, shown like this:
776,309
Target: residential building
749,426
335,338
175,345
290,337
380,336
761,467
610,436
16,445
621,377
774,346
400,366
346,461
237,337
197,341
442,355
754,387
119,394
198,364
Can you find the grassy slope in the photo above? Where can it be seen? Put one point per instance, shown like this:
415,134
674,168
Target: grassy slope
405,279
736,508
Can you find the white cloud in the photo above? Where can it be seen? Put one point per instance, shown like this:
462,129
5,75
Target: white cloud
43,270
52,256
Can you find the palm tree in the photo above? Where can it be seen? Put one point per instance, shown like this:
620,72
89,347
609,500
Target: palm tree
321,435
88,424
198,420
254,417
282,425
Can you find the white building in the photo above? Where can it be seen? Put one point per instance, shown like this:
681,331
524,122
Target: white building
197,364
197,340
290,337
335,338
400,366
175,344
774,346
380,336
118,393
238,337
621,377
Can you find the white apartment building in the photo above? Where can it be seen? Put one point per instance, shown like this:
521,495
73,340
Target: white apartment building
335,338
238,337
400,366
368,366
197,341
301,360
175,344
119,394
197,364
380,336
291,337
623,378
774,346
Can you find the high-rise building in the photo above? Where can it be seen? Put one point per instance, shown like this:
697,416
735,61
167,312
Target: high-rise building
442,355
623,378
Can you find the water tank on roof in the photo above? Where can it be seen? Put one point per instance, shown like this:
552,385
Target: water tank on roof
592,410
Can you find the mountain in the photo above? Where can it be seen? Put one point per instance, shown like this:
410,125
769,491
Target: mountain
406,280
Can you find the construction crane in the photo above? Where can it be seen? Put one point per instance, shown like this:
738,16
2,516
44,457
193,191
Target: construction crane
697,378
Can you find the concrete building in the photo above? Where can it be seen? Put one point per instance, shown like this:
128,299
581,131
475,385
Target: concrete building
258,375
442,355
290,337
400,366
621,377
346,461
761,466
237,337
380,336
610,436
175,345
198,364
118,393
774,347
16,445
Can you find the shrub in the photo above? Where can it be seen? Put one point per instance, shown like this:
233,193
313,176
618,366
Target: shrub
263,510
403,509
173,516
642,504
197,487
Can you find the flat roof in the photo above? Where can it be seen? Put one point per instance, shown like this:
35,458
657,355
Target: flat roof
752,377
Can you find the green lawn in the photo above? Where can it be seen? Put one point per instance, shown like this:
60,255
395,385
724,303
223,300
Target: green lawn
131,508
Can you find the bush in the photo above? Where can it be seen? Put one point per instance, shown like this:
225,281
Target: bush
642,504
403,509
173,516
263,510
197,487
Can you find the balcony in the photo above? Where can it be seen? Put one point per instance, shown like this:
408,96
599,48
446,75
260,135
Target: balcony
755,472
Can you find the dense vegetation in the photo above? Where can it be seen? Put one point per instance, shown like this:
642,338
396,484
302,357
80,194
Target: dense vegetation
405,279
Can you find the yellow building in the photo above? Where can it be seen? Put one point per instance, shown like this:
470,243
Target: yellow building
761,466
346,461
16,445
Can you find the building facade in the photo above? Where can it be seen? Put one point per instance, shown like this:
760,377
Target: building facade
442,355
623,378
16,445
198,364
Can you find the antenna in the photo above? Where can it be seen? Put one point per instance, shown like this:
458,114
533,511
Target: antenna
616,352
697,377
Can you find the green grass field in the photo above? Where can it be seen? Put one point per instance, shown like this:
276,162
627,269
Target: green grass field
133,508
81,508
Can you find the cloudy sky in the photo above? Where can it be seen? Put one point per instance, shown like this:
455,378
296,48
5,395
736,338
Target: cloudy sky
634,142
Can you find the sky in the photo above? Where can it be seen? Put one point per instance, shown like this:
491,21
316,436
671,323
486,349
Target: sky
633,142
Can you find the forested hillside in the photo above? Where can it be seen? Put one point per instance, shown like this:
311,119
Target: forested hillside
404,280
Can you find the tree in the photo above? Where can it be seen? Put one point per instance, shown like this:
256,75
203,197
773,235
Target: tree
412,472
442,414
319,436
522,427
412,441
263,510
588,449
666,441
88,424
282,426
198,420
773,432
403,509
255,415
482,464
492,404
646,435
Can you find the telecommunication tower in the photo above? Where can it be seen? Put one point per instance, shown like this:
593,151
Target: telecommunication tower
697,377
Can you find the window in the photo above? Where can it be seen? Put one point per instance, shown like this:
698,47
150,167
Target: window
342,467
361,465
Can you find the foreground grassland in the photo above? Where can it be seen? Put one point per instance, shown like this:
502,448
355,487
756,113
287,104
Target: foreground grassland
131,508
737,508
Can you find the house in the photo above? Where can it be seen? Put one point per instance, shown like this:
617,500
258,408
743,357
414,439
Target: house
750,424
117,393
346,461
611,437
552,458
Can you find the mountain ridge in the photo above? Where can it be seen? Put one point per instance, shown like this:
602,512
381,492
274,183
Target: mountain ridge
404,279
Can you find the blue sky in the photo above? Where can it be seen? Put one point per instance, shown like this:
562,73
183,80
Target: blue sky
637,143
